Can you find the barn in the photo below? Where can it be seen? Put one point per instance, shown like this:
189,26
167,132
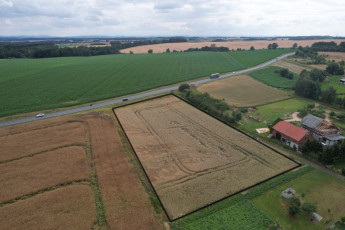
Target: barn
290,134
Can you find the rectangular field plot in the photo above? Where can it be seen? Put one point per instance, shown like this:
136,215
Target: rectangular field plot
192,159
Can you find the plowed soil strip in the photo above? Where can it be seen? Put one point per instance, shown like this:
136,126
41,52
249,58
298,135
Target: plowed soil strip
126,204
36,173
70,207
192,159
44,139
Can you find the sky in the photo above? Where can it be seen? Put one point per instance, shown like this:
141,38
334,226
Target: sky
172,18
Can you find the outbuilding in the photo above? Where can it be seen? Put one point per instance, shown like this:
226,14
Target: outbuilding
290,134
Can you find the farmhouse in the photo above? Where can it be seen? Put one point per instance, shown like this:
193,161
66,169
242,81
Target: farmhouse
290,134
342,81
322,130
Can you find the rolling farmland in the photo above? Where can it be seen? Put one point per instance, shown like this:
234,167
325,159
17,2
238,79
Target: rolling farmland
235,91
192,159
37,84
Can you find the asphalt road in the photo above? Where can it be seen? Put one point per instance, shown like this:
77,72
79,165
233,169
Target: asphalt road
141,95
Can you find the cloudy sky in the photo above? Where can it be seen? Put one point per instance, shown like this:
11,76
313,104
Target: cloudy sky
172,17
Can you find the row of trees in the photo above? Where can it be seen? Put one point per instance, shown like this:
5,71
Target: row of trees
44,50
328,46
213,48
272,46
215,107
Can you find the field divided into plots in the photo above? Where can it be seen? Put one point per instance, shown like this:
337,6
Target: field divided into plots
69,173
192,159
36,84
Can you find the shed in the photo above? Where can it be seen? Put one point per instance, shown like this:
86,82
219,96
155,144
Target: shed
316,216
288,193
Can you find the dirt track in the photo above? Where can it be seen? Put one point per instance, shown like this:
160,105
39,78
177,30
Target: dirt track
192,159
259,44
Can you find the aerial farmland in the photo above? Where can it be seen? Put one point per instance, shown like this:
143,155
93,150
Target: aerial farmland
192,159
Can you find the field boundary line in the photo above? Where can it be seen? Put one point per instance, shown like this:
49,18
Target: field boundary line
42,152
55,187
217,201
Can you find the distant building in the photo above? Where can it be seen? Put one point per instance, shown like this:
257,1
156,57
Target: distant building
290,134
322,130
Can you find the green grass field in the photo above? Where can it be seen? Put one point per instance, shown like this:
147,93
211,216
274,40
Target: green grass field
318,187
333,81
269,77
36,84
236,212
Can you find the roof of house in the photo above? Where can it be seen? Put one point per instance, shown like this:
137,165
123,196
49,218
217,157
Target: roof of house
290,130
335,137
311,121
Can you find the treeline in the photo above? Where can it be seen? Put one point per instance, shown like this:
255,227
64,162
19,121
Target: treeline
326,155
215,107
209,48
123,45
328,46
45,50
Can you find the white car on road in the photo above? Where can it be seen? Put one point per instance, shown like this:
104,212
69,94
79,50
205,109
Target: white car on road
40,115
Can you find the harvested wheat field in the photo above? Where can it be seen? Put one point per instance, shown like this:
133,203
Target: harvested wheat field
243,91
70,207
192,159
53,172
290,66
336,56
258,44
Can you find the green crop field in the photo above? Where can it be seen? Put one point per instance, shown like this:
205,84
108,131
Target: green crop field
236,212
36,84
269,77
317,187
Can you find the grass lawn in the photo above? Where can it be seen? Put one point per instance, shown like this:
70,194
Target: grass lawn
36,84
333,81
268,76
318,187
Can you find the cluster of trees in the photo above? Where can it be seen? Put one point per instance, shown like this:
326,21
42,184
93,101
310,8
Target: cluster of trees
213,47
308,52
328,46
326,155
308,85
215,107
295,206
272,46
335,68
44,50
285,73
123,45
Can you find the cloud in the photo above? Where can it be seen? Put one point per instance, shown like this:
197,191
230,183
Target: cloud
170,18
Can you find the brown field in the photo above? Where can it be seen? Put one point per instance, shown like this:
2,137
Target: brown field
259,44
47,165
71,207
192,159
336,56
243,91
42,171
16,145
290,66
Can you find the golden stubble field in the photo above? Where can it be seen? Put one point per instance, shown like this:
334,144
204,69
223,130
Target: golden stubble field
192,159
243,91
54,171
258,44
336,56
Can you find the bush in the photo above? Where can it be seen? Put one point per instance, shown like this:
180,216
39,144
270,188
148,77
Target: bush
183,87
341,116
309,207
332,114
294,209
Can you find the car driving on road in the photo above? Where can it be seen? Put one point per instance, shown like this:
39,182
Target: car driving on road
40,115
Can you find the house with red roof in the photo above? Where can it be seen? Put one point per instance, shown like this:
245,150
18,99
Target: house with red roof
290,134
